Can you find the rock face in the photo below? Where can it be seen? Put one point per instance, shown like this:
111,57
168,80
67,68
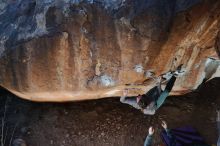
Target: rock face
64,50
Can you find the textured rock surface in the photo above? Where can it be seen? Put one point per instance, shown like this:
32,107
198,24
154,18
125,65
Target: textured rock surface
66,50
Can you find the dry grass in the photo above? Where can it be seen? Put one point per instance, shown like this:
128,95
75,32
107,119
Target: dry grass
6,136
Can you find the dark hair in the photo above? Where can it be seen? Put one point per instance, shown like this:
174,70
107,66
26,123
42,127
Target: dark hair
144,101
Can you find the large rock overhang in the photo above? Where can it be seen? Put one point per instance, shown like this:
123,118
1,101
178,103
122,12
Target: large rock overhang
65,51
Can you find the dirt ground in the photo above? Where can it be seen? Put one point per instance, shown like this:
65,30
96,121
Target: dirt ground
106,122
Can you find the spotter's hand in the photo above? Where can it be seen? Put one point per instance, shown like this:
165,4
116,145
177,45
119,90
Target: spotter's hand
164,124
151,131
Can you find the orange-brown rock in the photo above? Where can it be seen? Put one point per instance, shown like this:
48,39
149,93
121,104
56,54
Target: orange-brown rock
94,52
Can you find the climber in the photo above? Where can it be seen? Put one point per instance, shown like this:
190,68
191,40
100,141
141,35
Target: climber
148,103
149,138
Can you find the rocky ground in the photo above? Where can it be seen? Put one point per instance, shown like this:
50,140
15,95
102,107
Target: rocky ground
105,122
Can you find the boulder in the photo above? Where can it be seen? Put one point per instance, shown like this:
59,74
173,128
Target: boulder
68,50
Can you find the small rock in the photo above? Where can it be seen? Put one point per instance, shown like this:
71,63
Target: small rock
24,130
67,135
102,134
19,142
65,112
